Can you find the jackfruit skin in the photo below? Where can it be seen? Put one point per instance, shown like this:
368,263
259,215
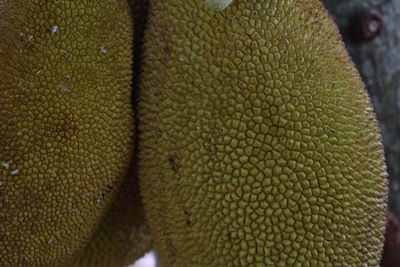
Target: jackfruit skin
259,145
65,123
123,235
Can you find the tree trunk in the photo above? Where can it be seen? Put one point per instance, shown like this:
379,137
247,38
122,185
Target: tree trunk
370,29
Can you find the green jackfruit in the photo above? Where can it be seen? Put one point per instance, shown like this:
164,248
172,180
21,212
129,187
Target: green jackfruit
259,145
65,123
123,235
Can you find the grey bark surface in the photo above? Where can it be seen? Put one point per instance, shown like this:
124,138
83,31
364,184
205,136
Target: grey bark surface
378,61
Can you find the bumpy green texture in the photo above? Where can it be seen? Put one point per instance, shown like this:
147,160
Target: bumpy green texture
65,123
123,235
259,145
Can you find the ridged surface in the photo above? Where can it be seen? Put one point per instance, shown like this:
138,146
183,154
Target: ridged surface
123,235
259,146
65,123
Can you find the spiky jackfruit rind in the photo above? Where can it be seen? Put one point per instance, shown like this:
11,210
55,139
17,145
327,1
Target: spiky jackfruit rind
259,145
123,236
65,123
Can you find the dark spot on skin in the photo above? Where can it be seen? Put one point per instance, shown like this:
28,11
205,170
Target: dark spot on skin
109,188
186,213
284,40
104,193
167,49
174,165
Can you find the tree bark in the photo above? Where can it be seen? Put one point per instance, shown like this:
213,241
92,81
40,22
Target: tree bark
377,57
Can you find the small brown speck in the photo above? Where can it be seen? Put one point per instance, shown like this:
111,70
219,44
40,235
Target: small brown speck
175,166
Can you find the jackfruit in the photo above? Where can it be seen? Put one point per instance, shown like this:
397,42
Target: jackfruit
122,236
259,145
65,123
